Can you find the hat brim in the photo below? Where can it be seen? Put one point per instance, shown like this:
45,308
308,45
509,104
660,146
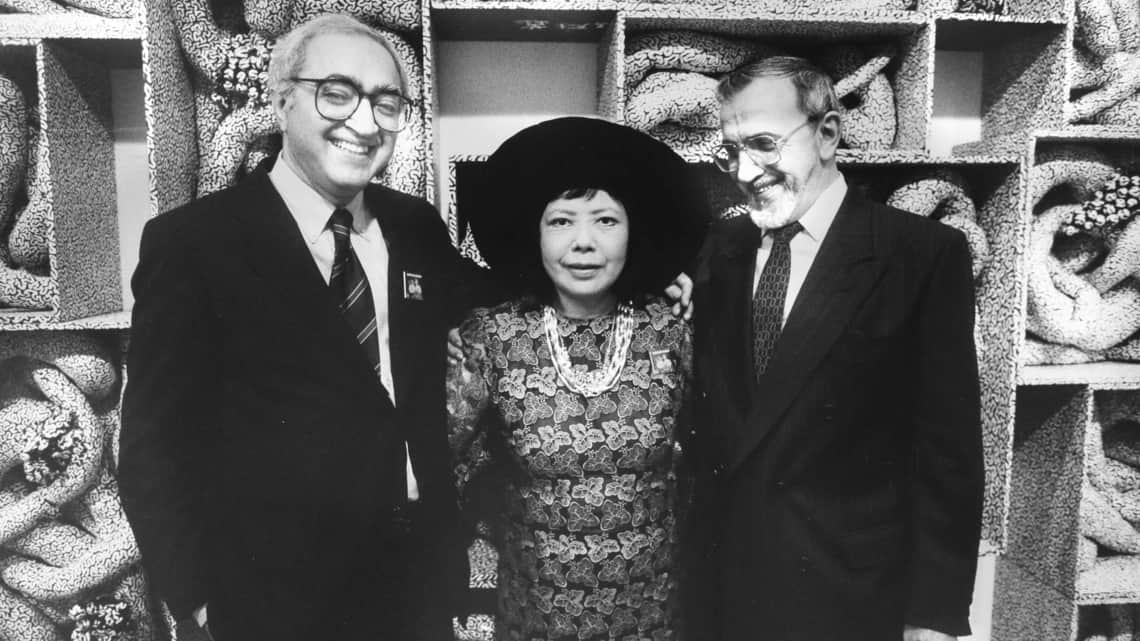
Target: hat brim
663,196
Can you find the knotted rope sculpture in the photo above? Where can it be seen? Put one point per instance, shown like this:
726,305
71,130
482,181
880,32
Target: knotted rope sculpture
67,555
1106,65
1084,284
670,86
869,120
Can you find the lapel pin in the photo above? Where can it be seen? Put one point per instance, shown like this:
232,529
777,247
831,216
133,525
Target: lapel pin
660,362
413,286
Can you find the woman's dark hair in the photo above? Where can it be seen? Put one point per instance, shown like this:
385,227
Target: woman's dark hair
638,279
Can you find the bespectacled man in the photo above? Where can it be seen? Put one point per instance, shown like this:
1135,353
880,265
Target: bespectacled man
284,456
838,438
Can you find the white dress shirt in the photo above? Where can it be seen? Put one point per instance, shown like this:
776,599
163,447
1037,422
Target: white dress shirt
311,212
805,245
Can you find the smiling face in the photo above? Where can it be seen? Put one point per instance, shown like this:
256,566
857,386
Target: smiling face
781,192
583,243
338,158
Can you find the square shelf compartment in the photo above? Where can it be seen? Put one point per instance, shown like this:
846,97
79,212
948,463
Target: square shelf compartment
1023,74
73,216
1065,171
1061,460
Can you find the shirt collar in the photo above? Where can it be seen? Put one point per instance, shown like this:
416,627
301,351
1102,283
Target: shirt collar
308,207
817,219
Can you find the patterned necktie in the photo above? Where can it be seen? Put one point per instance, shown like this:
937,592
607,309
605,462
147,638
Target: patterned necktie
350,285
768,301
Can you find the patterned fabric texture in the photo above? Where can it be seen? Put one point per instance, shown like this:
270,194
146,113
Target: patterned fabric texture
771,293
232,142
1084,290
1105,87
66,549
671,77
580,493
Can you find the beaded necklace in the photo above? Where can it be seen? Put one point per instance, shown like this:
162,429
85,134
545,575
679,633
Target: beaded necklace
590,383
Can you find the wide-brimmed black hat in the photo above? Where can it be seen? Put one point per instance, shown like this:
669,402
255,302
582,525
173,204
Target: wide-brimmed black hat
662,195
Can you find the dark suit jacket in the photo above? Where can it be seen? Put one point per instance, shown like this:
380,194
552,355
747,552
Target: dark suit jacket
841,495
253,424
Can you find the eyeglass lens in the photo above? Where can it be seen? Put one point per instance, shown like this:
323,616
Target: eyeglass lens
763,150
338,100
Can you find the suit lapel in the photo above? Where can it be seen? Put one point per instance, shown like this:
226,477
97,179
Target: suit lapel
393,233
842,275
278,254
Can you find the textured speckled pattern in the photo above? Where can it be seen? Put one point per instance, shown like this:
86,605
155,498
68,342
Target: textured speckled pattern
66,541
76,113
273,16
1105,80
1036,575
1034,472
1024,86
668,75
1112,494
105,8
14,149
1094,311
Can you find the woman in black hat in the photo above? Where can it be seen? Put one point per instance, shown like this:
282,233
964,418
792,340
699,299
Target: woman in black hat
570,395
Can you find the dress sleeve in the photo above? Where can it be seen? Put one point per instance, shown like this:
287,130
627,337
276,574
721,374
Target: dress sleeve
468,399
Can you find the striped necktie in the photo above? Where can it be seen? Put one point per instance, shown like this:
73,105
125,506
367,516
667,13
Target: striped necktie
350,286
768,301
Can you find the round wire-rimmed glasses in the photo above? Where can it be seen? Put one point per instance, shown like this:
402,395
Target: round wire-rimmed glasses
762,149
338,98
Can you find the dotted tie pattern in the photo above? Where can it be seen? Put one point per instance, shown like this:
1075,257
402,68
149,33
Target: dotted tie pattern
768,301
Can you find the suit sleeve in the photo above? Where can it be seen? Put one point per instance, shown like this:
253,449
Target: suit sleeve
469,285
172,375
948,477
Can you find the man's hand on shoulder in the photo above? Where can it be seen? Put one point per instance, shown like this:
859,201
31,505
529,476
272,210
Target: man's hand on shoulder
194,627
680,291
912,633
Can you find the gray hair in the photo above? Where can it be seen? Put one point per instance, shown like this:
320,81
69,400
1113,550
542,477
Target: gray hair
815,93
289,51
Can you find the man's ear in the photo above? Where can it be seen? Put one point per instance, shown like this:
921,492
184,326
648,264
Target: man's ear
279,102
830,131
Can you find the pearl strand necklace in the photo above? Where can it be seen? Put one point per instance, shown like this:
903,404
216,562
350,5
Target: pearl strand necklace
590,383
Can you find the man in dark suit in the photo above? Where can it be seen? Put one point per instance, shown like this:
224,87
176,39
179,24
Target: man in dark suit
837,422
284,462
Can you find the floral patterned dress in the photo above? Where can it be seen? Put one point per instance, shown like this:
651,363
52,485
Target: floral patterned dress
586,523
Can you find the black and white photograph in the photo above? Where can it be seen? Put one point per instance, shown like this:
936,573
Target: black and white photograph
569,320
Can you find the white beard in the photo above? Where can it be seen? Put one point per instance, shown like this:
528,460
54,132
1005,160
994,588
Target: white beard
778,211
